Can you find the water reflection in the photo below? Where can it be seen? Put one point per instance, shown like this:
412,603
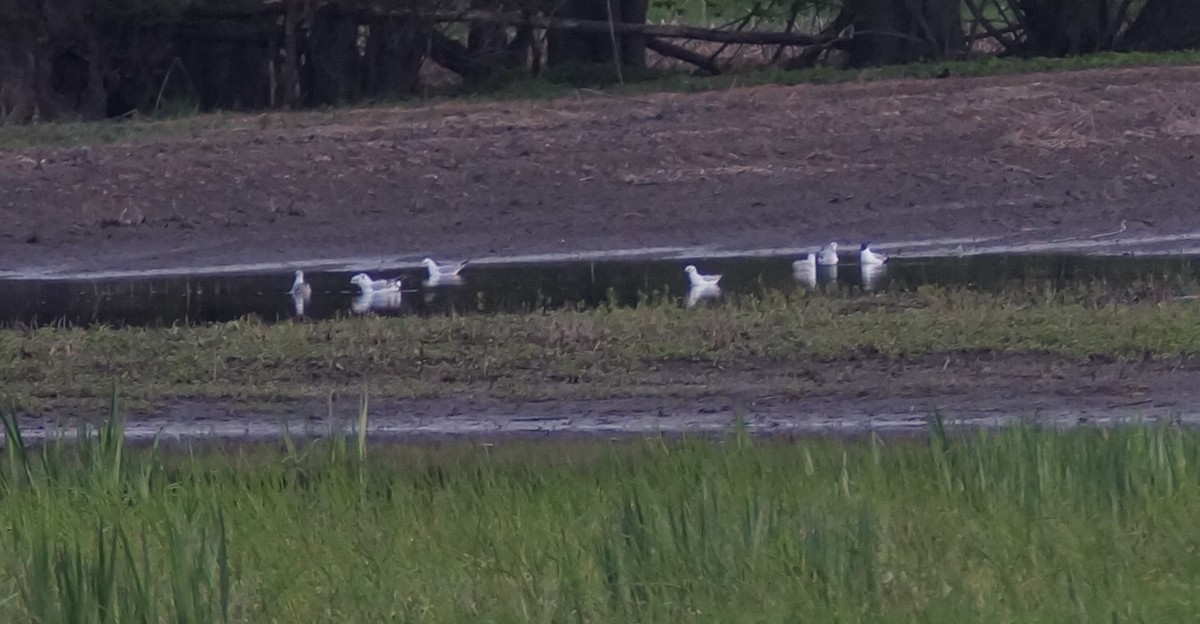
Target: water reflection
804,271
443,281
700,293
827,274
299,300
872,276
528,288
381,301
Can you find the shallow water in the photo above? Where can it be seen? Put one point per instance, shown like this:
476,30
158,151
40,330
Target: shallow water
531,287
198,423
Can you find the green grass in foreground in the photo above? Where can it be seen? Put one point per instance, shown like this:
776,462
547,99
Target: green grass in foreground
564,84
657,349
1016,526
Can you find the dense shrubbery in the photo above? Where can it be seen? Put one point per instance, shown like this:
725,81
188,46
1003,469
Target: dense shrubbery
70,59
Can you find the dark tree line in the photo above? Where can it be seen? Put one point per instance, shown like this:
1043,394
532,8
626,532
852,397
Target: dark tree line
89,59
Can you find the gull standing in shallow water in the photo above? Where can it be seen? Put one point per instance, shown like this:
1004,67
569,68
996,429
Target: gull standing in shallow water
369,286
301,292
866,257
300,288
699,280
443,274
828,255
701,286
805,270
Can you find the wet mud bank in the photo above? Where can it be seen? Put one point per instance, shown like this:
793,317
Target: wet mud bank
860,398
184,422
1004,157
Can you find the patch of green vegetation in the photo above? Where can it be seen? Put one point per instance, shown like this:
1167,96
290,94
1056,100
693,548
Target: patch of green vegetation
23,137
568,82
1021,525
655,349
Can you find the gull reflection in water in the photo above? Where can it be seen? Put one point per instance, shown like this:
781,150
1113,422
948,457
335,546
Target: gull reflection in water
827,274
872,276
439,281
299,300
379,301
805,271
703,292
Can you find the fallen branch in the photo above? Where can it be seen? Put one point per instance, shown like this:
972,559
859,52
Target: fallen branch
671,50
455,56
663,31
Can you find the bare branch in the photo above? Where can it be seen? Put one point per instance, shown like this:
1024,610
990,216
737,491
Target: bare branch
991,30
679,52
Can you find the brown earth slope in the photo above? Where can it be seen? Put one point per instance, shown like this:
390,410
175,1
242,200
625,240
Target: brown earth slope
1032,156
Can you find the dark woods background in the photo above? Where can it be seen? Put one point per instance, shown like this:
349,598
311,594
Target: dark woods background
90,59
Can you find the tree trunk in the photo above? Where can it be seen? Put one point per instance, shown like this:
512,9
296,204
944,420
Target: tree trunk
902,31
633,47
579,47
335,57
395,49
229,62
1165,25
486,44
85,59
25,93
1055,28
51,63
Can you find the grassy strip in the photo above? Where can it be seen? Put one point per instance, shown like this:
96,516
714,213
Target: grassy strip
657,349
184,124
1023,525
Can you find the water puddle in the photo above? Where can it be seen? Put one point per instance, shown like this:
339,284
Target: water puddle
522,287
175,426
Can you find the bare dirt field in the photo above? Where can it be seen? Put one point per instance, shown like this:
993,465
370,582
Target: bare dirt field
1028,157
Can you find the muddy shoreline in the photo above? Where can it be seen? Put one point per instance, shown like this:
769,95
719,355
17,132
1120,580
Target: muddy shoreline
1100,161
849,398
1016,159
456,420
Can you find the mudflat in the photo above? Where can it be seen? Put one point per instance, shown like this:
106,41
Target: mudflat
1021,158
1028,157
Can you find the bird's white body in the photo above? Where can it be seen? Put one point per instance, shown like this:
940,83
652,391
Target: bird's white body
807,263
828,255
300,288
440,271
369,286
443,274
699,280
866,257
